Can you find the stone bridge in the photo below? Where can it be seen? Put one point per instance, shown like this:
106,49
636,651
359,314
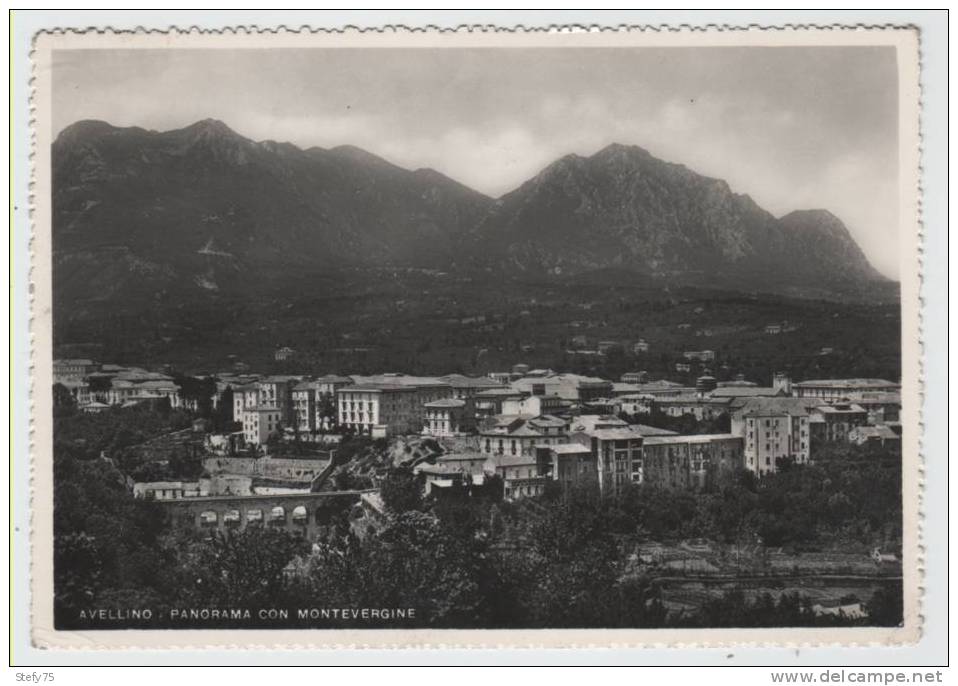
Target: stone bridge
305,513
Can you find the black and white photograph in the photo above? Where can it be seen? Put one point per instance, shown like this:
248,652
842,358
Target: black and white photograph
582,335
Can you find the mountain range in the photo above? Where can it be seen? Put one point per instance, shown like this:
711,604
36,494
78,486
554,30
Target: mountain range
203,211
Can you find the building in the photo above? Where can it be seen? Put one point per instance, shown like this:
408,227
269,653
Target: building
73,369
463,387
284,354
123,391
834,421
168,490
699,355
880,435
640,347
277,391
520,474
260,422
534,405
519,435
683,367
782,382
245,397
881,407
838,389
79,390
691,461
850,609
697,405
304,406
490,402
636,404
617,453
773,428
466,463
634,377
773,329
571,464
379,409
573,387
449,417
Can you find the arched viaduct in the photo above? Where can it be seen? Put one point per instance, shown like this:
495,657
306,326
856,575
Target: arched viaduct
304,513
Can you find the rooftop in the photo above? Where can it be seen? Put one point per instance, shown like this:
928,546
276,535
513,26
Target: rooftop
745,391
762,407
569,448
620,434
462,381
697,438
847,383
446,403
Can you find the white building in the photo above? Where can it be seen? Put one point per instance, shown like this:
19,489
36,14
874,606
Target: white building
773,428
260,422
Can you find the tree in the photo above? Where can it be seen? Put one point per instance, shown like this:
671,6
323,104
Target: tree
401,490
239,568
63,401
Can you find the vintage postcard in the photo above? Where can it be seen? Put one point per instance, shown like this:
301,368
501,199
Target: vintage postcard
476,338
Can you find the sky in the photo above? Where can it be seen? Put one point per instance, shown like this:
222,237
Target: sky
794,128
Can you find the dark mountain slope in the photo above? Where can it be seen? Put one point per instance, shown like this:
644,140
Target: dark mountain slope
622,207
204,206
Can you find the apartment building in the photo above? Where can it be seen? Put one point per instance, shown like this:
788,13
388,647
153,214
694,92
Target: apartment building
773,428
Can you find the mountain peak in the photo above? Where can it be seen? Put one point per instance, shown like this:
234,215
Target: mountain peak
620,150
208,128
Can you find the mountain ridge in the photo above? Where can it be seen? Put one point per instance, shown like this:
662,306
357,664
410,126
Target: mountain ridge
276,209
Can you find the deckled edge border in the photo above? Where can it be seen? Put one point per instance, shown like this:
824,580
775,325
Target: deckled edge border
470,29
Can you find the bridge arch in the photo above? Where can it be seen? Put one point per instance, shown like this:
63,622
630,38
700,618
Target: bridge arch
300,515
277,516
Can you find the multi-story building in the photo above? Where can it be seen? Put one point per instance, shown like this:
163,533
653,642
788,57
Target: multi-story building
518,435
463,387
123,391
489,402
838,389
691,461
570,464
277,391
245,397
881,407
449,417
636,404
73,369
696,405
617,453
773,428
879,435
380,409
260,422
834,421
634,377
699,355
573,387
520,474
534,405
79,389
304,406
